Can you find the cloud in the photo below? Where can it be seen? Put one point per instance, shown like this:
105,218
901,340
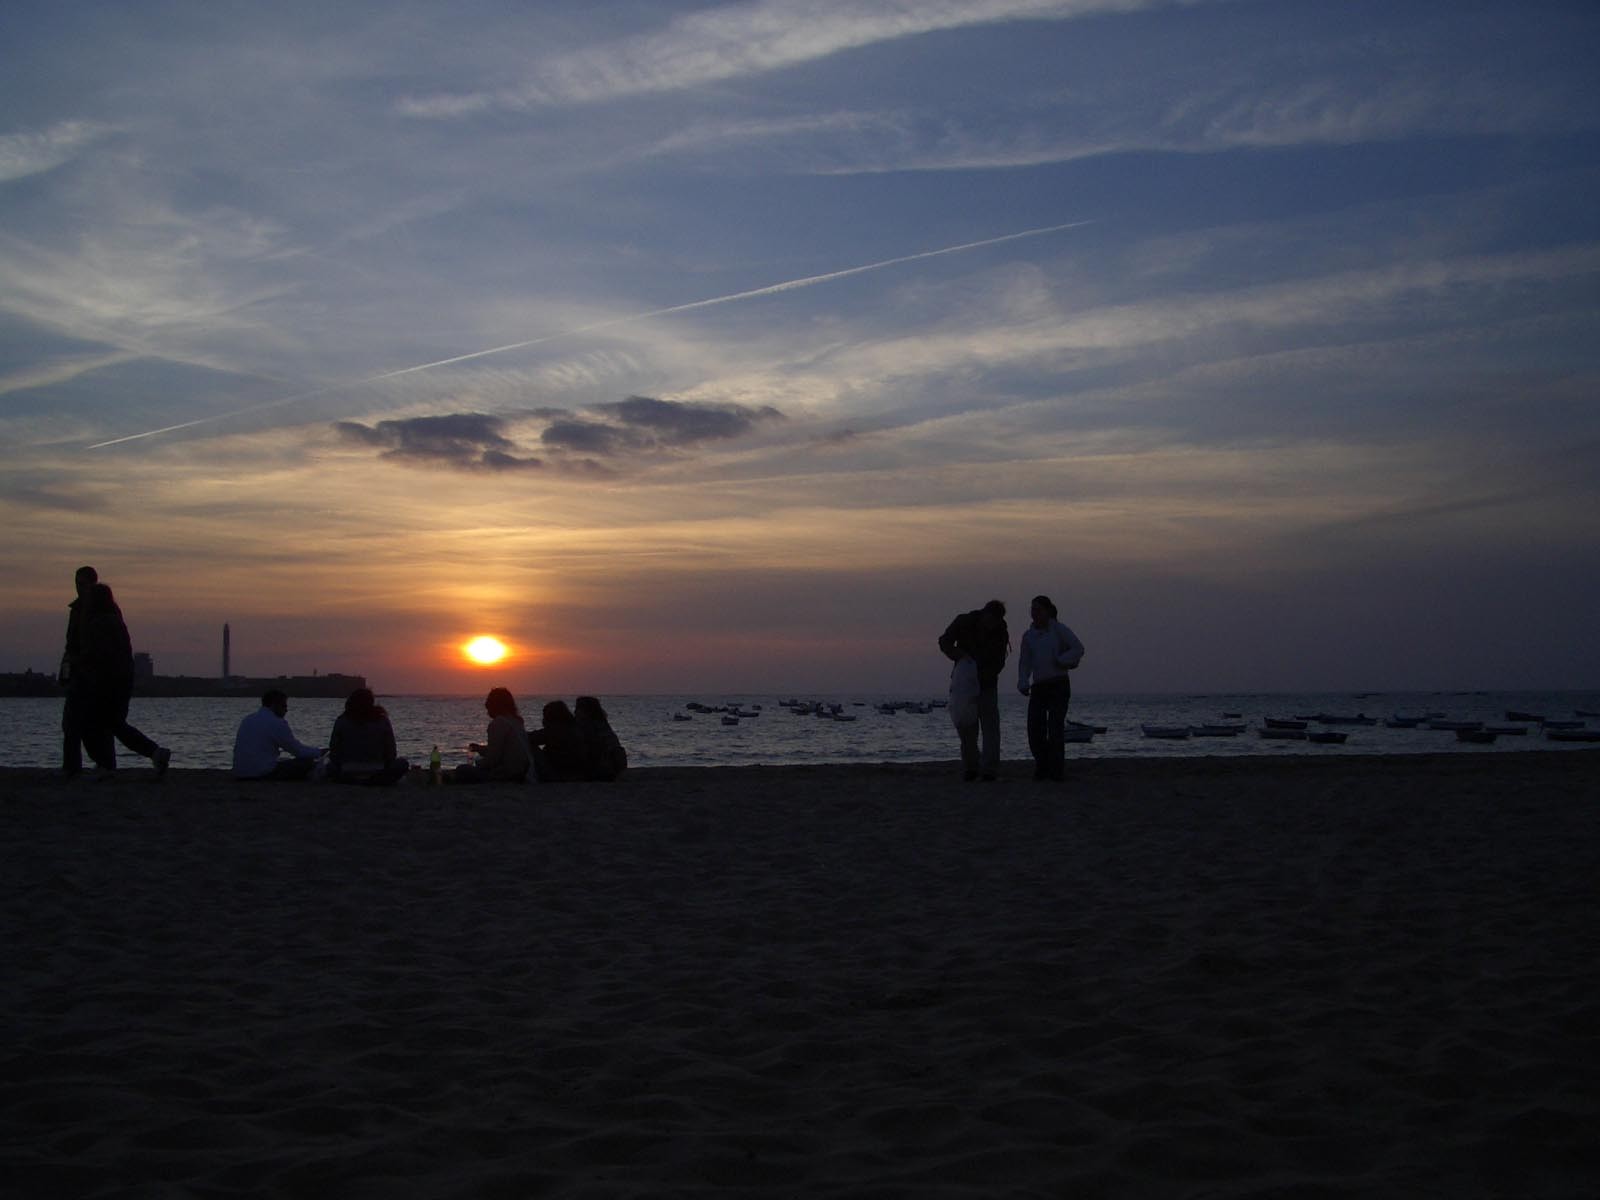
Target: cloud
677,423
738,40
24,154
466,441
589,442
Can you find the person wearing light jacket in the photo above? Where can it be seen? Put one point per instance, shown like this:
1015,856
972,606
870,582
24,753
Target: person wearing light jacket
1049,650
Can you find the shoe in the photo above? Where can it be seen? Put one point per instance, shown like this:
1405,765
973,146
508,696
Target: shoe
162,759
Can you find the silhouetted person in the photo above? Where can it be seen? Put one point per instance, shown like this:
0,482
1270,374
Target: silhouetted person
981,635
505,756
262,735
603,755
101,681
1048,651
72,707
557,746
361,747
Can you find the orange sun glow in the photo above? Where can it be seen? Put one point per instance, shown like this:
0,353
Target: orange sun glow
484,650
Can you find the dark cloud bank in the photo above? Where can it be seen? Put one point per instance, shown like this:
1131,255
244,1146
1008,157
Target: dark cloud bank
595,439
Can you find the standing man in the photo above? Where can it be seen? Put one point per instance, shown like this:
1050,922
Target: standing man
981,635
1048,651
262,734
73,712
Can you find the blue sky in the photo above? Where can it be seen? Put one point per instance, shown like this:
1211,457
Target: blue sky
1297,392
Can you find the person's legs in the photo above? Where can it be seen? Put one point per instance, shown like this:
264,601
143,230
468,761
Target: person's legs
72,733
989,724
969,749
1055,703
1037,743
291,769
134,740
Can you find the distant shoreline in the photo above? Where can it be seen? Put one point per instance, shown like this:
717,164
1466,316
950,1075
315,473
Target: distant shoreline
300,687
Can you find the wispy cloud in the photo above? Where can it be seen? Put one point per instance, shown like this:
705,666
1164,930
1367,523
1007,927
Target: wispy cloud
738,40
24,154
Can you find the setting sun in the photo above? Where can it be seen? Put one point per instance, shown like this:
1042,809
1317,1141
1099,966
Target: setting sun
485,650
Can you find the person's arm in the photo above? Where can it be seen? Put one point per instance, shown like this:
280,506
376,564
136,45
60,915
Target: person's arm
283,738
1072,649
950,639
1024,662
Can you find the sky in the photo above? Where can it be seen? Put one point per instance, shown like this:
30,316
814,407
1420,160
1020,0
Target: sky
738,347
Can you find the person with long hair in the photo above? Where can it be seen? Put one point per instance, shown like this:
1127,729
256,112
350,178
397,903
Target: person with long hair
980,635
1048,652
361,747
557,746
603,755
505,756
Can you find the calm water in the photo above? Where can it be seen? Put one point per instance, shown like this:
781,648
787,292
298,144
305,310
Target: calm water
200,731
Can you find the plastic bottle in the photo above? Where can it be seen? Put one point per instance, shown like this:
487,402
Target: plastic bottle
435,770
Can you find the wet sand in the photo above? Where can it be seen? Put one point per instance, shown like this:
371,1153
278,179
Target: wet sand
1202,978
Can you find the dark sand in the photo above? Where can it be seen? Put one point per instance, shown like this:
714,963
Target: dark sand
1287,977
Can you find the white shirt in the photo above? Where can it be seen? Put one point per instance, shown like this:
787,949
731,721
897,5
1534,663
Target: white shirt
1047,653
261,735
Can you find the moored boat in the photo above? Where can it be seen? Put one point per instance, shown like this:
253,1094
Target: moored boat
1327,737
1170,732
1478,737
1285,722
1572,735
1282,735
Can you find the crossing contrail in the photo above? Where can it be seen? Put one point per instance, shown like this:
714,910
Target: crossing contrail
770,289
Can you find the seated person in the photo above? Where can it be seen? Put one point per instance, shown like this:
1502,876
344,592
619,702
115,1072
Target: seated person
265,732
361,746
603,755
557,747
504,757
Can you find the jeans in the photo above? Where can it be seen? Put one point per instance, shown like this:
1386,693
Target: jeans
96,722
988,726
1047,718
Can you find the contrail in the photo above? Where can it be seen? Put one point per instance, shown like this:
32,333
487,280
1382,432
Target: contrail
770,289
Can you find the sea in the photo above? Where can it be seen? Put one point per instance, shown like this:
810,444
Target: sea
886,728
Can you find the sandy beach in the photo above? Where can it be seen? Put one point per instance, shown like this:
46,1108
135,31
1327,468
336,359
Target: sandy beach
1188,978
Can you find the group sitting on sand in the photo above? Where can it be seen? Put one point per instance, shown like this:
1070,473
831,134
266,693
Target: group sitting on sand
569,747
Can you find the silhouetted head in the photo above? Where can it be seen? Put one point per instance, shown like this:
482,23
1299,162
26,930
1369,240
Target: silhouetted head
1042,610
362,705
501,703
588,707
84,579
276,700
557,713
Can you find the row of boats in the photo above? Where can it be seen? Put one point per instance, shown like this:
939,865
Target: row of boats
732,714
1299,728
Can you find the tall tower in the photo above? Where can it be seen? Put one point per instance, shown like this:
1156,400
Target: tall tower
225,672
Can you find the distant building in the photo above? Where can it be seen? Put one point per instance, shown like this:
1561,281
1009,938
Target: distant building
144,667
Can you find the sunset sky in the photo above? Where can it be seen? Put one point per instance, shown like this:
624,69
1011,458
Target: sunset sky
371,327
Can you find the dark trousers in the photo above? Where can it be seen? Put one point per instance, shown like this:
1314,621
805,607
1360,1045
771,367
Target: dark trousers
988,727
1047,719
96,723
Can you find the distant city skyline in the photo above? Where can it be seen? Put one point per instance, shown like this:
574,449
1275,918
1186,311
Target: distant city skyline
737,347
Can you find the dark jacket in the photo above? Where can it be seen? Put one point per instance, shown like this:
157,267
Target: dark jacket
965,636
105,662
